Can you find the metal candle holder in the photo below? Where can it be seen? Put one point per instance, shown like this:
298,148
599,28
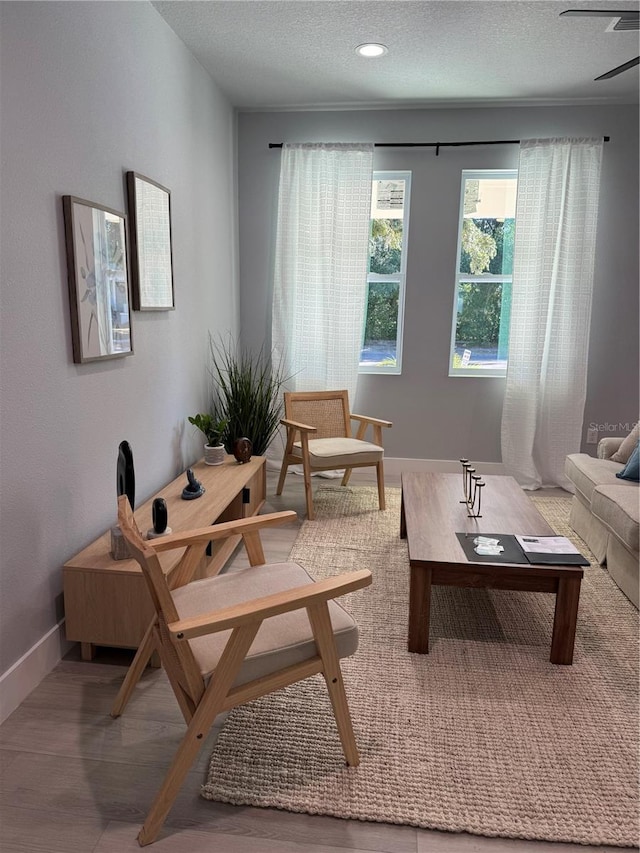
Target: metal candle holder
472,485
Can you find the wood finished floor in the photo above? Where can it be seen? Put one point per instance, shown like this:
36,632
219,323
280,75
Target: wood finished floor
73,780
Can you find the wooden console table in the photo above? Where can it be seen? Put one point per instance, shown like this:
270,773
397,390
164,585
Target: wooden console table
107,602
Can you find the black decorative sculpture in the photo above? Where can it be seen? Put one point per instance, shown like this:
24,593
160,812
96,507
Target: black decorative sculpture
193,489
159,515
125,485
125,475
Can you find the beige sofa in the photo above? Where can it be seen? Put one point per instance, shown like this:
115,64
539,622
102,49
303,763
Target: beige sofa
604,513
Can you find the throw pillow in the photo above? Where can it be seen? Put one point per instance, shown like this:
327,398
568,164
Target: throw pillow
631,470
625,450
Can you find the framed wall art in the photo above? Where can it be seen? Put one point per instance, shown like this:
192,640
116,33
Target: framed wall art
96,239
151,253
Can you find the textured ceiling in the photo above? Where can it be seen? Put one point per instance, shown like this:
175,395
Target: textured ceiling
270,54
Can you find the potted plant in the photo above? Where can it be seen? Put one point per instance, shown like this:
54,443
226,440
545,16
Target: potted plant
246,393
213,430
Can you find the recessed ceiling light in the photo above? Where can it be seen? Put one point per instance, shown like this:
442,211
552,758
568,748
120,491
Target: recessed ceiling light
370,50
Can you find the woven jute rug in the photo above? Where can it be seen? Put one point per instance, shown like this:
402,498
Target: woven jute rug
482,735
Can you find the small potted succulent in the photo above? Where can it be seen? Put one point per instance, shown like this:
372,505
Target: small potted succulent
213,430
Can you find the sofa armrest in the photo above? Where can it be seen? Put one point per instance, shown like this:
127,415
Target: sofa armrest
608,446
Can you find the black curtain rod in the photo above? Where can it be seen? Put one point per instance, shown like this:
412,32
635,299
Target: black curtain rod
436,145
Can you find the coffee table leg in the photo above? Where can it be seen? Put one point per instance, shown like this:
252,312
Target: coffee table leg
403,522
419,609
565,619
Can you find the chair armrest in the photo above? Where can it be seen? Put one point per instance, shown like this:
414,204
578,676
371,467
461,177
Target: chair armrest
221,531
608,446
269,605
372,421
295,425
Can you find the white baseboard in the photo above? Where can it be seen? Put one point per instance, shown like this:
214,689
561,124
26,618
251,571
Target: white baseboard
27,672
394,466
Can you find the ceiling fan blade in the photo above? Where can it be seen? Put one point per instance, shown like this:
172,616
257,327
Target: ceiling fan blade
631,14
615,71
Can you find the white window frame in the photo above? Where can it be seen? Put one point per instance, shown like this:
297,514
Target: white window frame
399,277
494,373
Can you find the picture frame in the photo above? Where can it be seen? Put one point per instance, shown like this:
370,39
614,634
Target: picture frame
149,206
97,271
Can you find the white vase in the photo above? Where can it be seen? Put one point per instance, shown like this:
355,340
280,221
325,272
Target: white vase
214,455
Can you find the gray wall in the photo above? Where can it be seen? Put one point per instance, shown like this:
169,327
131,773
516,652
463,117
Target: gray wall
88,91
437,417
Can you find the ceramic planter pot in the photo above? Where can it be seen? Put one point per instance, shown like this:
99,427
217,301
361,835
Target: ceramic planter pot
214,455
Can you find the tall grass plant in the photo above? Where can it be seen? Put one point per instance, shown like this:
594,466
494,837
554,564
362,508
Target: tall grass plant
246,392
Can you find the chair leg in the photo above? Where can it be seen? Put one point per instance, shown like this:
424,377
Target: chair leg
202,720
283,474
325,642
183,759
286,459
308,491
346,476
340,706
134,673
380,473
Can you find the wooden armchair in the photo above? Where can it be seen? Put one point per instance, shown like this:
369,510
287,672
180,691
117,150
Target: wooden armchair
234,637
319,436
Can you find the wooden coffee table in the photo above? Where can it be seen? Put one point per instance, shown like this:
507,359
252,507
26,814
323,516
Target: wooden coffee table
431,515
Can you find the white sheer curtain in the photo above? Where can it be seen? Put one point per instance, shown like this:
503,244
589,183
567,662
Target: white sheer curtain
556,218
324,211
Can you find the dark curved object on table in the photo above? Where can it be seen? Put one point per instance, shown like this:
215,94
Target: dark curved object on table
194,488
125,474
242,448
159,515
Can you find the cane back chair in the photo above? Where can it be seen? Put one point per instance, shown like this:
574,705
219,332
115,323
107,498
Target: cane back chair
234,637
319,436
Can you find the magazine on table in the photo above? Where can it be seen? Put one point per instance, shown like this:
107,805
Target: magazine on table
551,549
547,545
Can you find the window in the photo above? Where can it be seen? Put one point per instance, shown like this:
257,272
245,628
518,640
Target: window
482,303
382,337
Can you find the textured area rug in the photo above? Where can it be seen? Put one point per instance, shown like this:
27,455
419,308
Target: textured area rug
482,735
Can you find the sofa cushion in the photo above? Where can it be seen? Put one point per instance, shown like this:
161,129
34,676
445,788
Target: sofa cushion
586,472
625,450
608,446
618,509
631,470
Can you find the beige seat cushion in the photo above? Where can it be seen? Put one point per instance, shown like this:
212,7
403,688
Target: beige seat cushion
340,452
627,447
618,508
586,472
281,640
